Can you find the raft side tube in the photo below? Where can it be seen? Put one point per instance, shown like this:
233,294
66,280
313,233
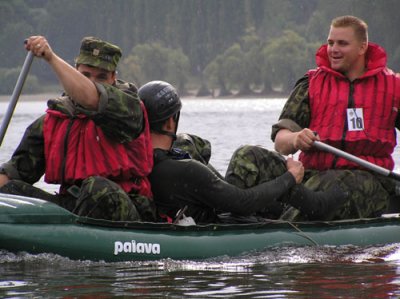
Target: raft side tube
22,209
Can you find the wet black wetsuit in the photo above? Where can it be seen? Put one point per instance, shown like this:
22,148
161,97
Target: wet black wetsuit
178,182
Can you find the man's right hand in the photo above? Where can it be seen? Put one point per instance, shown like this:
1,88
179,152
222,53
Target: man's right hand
80,88
39,46
296,168
304,139
288,142
3,179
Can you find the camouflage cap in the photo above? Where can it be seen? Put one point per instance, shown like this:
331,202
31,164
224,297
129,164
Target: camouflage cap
98,53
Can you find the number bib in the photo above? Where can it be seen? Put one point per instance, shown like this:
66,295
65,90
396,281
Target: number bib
355,119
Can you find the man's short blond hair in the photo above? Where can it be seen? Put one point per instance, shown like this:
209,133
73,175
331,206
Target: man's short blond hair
359,26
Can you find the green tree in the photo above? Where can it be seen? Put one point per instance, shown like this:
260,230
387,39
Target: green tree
239,65
233,66
216,76
9,77
178,69
286,60
17,23
252,47
148,62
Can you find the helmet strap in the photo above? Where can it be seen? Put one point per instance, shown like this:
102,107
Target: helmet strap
176,119
159,130
173,135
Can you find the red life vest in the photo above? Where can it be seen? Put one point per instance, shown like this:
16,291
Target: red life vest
76,149
377,92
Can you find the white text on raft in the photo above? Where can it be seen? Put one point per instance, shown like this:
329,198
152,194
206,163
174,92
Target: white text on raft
133,247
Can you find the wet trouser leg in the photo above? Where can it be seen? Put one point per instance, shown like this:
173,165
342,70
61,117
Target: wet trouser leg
101,198
98,198
317,205
253,165
367,196
367,193
22,188
18,187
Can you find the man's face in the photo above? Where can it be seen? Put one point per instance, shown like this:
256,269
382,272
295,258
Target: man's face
345,51
96,74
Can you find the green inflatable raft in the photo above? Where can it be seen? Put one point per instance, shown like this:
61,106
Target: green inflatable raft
36,226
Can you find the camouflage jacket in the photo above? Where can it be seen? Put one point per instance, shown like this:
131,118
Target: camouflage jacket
119,116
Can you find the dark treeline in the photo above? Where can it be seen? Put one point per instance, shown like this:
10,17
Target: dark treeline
206,46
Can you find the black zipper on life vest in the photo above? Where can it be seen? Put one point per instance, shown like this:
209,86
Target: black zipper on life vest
350,104
65,148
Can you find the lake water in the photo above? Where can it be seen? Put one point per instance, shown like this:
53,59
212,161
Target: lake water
284,272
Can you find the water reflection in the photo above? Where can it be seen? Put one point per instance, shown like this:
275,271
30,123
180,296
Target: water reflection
281,272
321,272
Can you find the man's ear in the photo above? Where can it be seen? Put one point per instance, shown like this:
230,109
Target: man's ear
169,125
363,48
114,76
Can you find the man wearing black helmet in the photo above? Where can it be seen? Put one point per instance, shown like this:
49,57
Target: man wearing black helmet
181,183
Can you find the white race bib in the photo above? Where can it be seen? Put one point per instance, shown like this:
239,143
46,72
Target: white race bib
355,119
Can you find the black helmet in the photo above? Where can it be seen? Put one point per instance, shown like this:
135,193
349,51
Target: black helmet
160,99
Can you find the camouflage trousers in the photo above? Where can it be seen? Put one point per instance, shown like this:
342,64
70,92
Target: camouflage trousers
369,194
198,148
97,198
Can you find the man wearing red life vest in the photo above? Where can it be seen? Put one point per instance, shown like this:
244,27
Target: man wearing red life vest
351,102
94,140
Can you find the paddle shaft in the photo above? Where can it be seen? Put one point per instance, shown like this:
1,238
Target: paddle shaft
15,95
368,165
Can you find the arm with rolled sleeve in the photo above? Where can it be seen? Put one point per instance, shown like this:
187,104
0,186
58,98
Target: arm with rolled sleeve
294,117
120,115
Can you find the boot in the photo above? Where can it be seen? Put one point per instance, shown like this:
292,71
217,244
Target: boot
317,205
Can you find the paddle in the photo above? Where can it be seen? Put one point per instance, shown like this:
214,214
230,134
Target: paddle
15,95
368,165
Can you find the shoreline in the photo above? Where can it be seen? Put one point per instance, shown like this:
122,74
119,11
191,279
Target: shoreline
30,97
47,96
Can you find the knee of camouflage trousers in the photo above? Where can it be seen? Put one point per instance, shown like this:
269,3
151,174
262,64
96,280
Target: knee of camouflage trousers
101,198
367,196
19,187
22,188
252,165
198,148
